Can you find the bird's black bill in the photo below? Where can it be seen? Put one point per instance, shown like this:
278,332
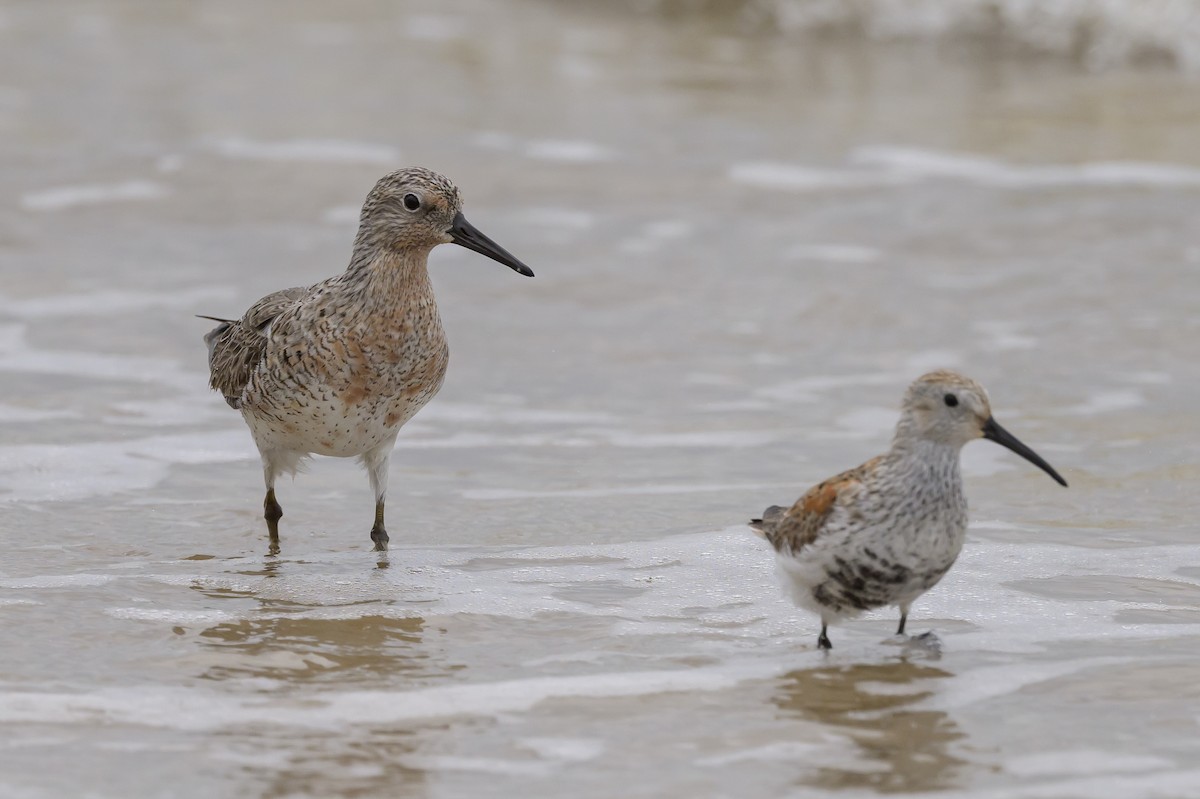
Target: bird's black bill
992,431
467,235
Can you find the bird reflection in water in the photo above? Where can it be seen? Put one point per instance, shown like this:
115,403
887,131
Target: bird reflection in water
276,637
281,647
902,747
277,640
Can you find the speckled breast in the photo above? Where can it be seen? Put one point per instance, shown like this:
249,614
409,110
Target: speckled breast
893,567
346,395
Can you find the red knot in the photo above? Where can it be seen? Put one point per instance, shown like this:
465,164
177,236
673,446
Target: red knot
337,368
887,531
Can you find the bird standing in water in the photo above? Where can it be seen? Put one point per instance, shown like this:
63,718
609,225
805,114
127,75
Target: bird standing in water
887,531
337,368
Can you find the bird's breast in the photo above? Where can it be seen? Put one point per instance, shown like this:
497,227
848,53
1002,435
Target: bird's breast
343,389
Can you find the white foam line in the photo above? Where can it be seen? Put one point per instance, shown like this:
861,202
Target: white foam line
1098,34
14,413
55,581
1082,761
110,302
913,164
478,765
793,751
1107,402
326,150
556,218
203,709
793,177
49,472
568,151
1109,786
63,197
597,438
991,682
567,750
171,616
695,438
810,389
879,167
986,587
485,494
464,412
17,356
835,253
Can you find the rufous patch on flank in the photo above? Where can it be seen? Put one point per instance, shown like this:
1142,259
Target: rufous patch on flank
822,499
358,386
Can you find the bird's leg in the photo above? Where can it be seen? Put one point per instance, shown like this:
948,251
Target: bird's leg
823,638
378,532
376,462
272,512
926,641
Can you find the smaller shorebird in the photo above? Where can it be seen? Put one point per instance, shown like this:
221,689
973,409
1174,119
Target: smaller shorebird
338,367
886,532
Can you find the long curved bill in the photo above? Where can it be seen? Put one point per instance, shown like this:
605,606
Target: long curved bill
467,235
992,431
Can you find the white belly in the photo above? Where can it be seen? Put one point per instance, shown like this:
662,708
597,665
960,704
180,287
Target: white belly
847,574
330,427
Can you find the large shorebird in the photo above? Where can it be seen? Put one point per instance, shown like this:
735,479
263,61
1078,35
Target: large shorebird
887,531
338,367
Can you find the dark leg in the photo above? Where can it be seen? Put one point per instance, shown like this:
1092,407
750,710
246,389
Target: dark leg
903,620
823,638
376,461
378,533
272,513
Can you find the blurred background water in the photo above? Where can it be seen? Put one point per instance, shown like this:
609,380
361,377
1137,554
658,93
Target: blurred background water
753,223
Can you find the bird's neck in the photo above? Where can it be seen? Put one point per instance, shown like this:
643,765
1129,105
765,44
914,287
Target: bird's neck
389,278
924,462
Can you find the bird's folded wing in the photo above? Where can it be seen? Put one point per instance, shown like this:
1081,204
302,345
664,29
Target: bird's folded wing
802,523
236,348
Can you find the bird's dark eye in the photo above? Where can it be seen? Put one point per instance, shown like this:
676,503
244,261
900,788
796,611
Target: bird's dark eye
412,202
950,400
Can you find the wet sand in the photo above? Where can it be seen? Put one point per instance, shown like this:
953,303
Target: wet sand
746,246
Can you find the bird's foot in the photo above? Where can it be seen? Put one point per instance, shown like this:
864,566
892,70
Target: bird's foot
925,642
380,537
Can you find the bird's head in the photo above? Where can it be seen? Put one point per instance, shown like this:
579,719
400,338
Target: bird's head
416,209
952,409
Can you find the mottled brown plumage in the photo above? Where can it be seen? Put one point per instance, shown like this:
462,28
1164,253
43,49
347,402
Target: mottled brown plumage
338,367
791,529
237,346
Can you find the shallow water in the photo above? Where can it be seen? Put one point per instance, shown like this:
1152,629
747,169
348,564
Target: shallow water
746,246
